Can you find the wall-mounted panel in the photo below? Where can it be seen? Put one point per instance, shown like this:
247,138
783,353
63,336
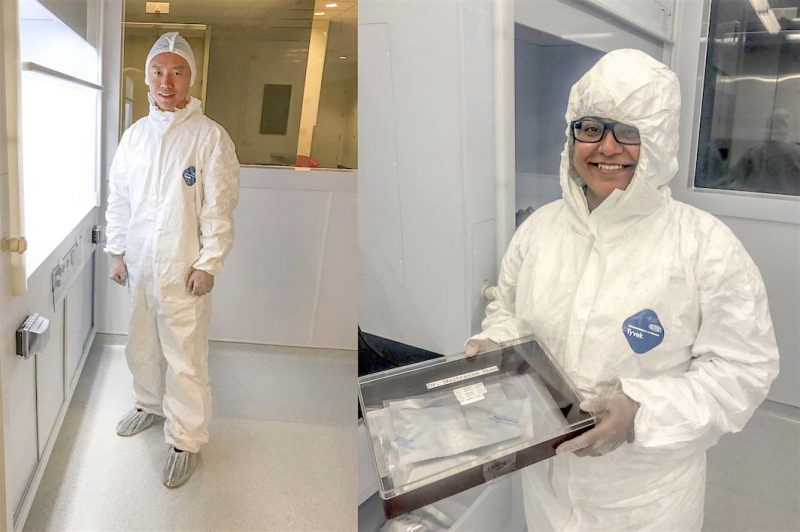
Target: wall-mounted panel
19,410
271,271
50,379
335,309
443,109
379,189
79,306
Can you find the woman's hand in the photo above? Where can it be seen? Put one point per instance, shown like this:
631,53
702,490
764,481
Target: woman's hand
475,346
617,412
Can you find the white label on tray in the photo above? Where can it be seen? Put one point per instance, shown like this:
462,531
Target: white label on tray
470,394
462,377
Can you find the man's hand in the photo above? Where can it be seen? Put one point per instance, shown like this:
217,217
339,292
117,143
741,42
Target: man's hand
119,272
617,412
200,283
474,346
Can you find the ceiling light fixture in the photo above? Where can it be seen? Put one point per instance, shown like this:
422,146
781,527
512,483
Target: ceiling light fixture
331,5
770,21
766,15
342,57
319,13
585,36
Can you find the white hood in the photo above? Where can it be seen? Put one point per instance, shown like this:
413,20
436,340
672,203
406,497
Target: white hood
631,87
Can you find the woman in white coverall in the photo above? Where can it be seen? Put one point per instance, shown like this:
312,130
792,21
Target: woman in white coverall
651,306
173,187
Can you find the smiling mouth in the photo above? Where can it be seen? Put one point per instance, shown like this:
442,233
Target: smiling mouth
611,167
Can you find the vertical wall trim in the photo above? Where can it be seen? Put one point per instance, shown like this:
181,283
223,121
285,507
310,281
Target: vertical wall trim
320,266
504,124
5,267
16,205
206,52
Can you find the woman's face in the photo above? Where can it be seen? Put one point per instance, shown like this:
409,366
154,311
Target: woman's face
604,166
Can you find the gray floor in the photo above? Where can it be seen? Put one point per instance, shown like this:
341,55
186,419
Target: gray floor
281,456
754,476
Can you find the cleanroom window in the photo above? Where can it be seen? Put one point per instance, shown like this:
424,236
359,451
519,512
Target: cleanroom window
750,122
59,101
280,77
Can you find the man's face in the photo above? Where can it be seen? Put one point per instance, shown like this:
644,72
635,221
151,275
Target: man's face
169,76
605,165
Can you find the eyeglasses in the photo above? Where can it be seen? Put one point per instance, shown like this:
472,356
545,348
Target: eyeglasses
592,129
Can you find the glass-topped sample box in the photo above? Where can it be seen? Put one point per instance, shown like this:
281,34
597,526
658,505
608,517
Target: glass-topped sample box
442,426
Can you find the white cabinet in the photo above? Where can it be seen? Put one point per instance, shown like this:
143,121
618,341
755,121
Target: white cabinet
35,389
78,321
50,380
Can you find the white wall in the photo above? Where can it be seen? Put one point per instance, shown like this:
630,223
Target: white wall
426,170
768,227
291,276
238,71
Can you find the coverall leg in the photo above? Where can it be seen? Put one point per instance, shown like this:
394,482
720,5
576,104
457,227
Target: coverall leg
183,330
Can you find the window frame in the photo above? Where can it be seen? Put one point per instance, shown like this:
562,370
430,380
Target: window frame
62,77
16,66
689,61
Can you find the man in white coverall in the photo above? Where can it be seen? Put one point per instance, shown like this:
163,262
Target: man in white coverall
173,187
651,306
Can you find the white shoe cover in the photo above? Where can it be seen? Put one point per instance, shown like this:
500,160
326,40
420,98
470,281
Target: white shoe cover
178,467
135,422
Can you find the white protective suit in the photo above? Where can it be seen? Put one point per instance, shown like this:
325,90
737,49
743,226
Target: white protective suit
646,295
173,186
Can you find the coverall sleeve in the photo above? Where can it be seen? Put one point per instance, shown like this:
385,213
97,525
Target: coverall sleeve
500,323
735,356
220,197
118,212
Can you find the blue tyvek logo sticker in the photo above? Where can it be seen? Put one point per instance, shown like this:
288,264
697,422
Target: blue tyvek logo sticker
643,331
189,176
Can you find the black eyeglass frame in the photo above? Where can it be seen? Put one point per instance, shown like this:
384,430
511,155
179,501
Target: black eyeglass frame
607,125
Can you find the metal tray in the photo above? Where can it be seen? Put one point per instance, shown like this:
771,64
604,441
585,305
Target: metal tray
443,426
